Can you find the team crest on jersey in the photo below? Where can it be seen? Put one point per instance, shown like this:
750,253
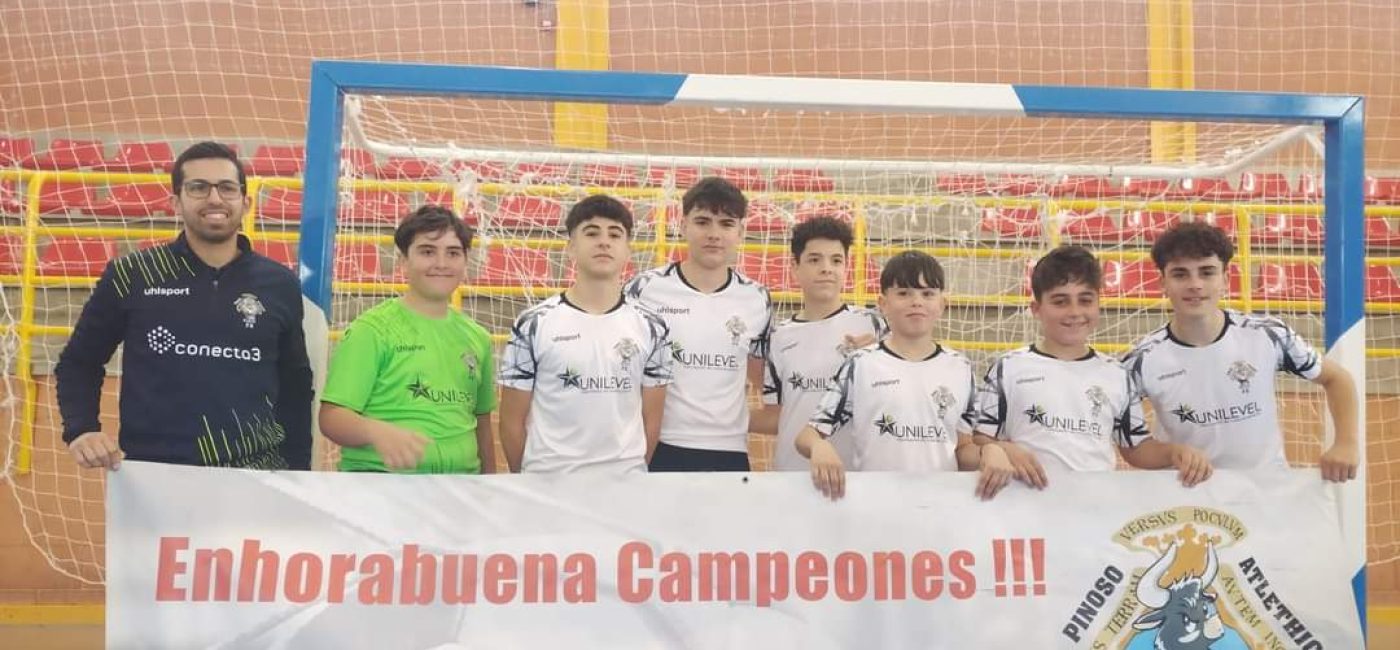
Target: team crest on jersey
469,360
250,308
1241,372
736,328
944,399
1097,398
626,348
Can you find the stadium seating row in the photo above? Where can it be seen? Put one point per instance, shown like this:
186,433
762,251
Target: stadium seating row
289,161
518,266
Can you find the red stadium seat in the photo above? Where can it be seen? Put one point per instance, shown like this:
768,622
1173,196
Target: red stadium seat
134,200
1310,188
542,173
772,270
1136,279
357,163
808,210
1148,224
61,196
404,168
517,211
11,199
16,152
961,183
1381,285
1382,190
277,160
373,207
1270,228
280,204
1019,185
748,179
1210,189
1222,220
1379,232
69,154
1091,227
11,255
1268,186
1085,187
77,257
1289,281
803,180
484,171
140,157
1011,223
356,262
764,217
514,267
679,177
1145,187
282,252
1305,229
609,176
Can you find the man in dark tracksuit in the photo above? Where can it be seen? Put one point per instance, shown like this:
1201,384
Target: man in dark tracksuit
214,368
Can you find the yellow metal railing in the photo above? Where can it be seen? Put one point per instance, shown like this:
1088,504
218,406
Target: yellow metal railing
665,207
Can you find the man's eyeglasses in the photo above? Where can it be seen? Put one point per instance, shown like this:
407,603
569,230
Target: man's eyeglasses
201,189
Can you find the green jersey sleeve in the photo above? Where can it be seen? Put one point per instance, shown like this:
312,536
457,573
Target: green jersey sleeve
355,367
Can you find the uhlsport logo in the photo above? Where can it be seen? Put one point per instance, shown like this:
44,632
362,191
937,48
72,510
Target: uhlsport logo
161,340
1193,589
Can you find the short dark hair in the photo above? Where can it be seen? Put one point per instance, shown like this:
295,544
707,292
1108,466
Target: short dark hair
598,205
201,151
1064,265
427,219
1192,240
820,228
912,270
716,195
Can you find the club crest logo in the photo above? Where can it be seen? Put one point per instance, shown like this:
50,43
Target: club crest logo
469,361
1097,398
736,328
943,398
1241,372
250,308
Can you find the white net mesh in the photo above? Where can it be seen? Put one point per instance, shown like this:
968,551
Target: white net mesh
986,195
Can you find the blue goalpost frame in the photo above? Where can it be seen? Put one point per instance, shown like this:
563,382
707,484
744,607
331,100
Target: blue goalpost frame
1341,116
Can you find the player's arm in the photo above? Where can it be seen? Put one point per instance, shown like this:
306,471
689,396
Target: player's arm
990,461
989,427
835,411
485,404
653,409
81,371
1141,450
515,410
353,373
764,420
399,448
828,472
294,391
1340,461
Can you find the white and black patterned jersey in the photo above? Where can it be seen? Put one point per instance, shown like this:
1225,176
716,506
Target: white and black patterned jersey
901,415
1220,397
712,337
1070,414
803,357
586,372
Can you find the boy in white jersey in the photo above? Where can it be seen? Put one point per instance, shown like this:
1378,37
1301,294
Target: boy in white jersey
718,322
1059,404
805,351
908,405
1210,373
584,373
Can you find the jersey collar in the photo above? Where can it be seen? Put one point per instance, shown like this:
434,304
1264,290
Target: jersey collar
729,279
937,350
796,318
1223,329
181,245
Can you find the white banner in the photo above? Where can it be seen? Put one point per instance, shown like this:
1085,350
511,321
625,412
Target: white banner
244,559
